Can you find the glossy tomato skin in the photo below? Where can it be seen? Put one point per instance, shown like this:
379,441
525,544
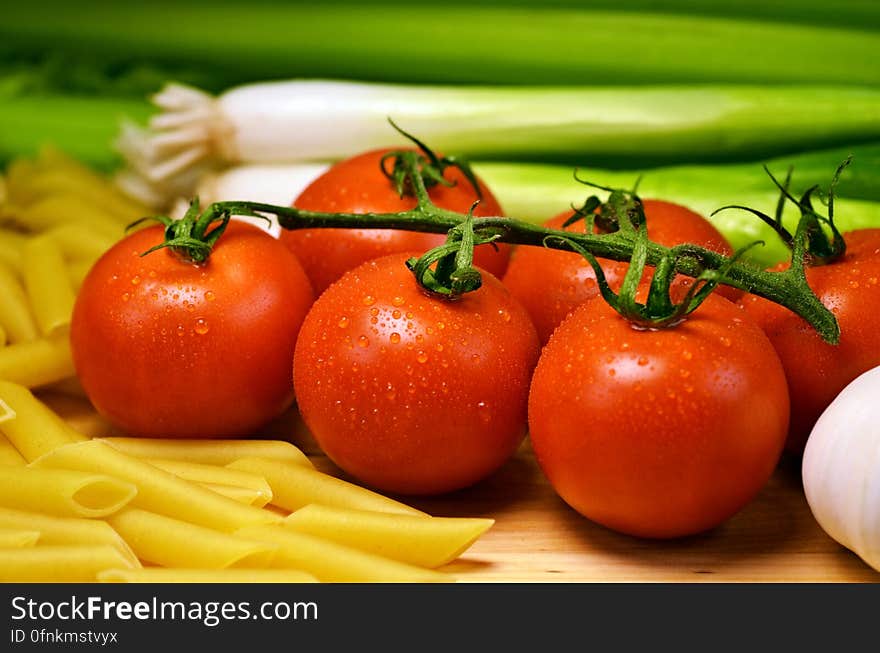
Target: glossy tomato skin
658,433
166,348
817,371
552,283
410,393
357,185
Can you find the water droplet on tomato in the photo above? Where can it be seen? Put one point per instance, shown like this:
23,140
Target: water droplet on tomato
209,296
125,296
687,355
396,314
201,327
422,357
180,330
135,280
394,338
368,300
398,301
483,411
343,322
642,361
363,342
439,347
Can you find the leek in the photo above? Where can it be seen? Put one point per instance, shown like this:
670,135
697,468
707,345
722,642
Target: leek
610,126
484,44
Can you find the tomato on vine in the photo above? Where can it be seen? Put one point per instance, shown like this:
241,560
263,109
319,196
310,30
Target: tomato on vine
411,392
657,420
195,339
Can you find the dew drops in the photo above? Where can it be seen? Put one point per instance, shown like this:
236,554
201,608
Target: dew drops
441,326
396,314
398,301
209,296
181,330
201,327
642,361
374,312
504,315
475,358
612,372
135,280
725,341
125,296
369,300
152,274
421,356
687,355
483,411
438,347
363,342
343,322
394,338
154,296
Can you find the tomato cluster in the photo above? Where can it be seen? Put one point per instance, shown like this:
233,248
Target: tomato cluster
652,432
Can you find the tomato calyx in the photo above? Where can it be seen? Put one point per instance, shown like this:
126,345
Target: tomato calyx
811,244
426,164
454,274
192,237
624,209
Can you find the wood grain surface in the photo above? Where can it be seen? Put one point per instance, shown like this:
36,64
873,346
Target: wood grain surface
538,538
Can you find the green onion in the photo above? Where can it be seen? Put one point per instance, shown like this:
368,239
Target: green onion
450,43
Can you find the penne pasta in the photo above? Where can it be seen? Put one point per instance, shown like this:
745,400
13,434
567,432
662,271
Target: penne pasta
78,242
63,492
59,564
8,454
158,491
243,495
421,541
31,427
38,362
66,530
162,575
173,543
209,452
65,208
47,285
17,539
295,486
215,475
11,244
330,562
16,316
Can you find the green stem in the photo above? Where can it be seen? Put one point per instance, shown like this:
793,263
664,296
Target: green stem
787,288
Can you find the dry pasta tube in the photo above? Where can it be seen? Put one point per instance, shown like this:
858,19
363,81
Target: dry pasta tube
173,543
17,539
161,575
294,486
159,491
8,454
47,285
215,475
63,492
10,248
422,541
38,362
59,564
30,425
15,311
209,452
66,530
65,208
334,563
78,242
243,495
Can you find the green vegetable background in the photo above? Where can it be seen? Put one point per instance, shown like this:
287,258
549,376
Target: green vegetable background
69,72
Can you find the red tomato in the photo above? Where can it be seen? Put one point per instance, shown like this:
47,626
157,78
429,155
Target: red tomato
658,433
358,185
552,283
410,393
167,348
817,371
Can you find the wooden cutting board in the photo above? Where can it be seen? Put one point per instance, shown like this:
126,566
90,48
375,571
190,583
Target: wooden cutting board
538,538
